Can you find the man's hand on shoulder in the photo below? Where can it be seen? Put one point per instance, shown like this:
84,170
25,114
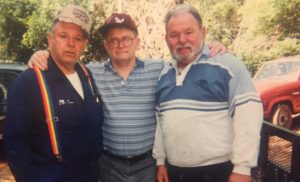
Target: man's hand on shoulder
162,174
216,48
234,177
39,59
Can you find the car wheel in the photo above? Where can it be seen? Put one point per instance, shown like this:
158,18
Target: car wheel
282,116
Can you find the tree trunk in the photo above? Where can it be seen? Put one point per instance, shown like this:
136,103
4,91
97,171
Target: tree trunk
120,6
179,1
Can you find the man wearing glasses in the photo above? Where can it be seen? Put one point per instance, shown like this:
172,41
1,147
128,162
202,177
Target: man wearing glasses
127,86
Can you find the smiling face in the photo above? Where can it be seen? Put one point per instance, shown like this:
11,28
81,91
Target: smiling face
121,44
66,42
184,37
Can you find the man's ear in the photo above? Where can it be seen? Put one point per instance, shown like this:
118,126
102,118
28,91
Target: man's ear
138,41
167,41
49,38
85,48
203,31
86,43
105,44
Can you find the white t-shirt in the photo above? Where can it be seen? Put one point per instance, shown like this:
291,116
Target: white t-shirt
75,81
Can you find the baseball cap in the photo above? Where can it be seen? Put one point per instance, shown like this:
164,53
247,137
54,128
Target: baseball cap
118,20
75,14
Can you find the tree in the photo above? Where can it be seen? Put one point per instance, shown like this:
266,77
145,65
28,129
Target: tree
255,30
24,24
259,39
13,17
284,20
223,22
179,1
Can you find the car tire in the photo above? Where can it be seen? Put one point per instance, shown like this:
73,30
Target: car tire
282,116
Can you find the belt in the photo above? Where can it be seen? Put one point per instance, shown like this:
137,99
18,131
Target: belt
127,159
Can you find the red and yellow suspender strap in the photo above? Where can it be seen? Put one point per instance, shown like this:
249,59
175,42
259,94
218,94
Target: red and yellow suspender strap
94,92
49,113
88,75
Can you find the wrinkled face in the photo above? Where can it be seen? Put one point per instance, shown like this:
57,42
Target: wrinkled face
121,44
66,43
184,37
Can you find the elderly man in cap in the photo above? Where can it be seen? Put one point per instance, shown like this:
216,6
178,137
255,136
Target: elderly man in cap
127,87
53,127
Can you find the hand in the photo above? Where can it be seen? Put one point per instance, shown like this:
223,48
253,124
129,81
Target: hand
162,174
216,47
234,177
39,59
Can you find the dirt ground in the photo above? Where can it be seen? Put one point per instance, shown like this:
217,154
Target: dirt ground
5,174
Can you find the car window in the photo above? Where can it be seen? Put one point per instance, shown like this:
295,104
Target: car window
6,78
289,71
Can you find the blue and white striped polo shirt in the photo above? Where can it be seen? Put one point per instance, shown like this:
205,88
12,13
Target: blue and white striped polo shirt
129,106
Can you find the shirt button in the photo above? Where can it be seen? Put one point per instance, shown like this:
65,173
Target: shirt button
123,82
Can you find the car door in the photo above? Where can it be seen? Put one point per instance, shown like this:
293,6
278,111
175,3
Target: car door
296,95
6,78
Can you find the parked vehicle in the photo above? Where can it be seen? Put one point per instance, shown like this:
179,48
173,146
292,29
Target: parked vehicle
278,83
8,73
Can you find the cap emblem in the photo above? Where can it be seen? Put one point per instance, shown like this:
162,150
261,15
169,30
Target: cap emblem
119,20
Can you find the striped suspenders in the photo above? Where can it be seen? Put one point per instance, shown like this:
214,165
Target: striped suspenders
51,119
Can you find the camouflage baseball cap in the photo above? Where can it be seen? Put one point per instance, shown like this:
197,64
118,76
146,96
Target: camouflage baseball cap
75,14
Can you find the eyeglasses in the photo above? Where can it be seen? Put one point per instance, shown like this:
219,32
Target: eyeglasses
126,41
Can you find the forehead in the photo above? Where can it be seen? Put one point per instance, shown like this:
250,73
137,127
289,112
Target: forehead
182,20
65,27
118,32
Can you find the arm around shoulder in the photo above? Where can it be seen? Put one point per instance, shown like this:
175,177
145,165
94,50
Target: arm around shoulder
39,59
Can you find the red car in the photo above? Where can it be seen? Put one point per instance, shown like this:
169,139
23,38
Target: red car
278,83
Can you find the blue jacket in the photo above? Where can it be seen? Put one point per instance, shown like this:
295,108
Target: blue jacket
26,136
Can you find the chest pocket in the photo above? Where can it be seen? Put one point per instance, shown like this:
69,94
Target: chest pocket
68,114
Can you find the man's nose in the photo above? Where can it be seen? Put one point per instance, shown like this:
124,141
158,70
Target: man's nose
71,42
182,39
120,43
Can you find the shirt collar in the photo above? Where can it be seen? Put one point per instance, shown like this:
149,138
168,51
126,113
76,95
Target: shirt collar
53,72
138,63
205,50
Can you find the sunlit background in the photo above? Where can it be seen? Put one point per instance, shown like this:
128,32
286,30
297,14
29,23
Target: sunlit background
254,30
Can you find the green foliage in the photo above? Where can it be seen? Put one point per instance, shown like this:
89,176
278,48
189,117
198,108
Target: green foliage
95,50
284,20
223,22
39,23
25,23
255,30
13,17
262,36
